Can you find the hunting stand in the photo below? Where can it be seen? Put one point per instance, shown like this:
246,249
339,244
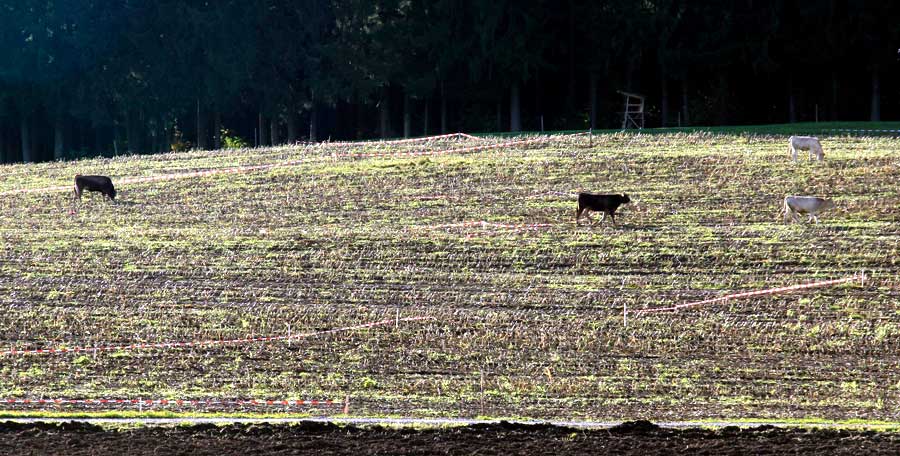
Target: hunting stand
633,116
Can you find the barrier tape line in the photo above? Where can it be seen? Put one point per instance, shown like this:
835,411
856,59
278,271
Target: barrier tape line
805,286
201,343
486,224
179,402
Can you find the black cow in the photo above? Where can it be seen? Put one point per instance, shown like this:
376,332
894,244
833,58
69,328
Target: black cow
607,204
100,184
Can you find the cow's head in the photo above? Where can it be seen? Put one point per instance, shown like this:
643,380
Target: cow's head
625,198
826,204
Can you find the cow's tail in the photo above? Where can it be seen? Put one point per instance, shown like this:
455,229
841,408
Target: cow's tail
785,210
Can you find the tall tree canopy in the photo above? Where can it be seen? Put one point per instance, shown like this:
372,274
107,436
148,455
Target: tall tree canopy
142,76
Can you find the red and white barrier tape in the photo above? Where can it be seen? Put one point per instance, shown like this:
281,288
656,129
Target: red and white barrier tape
805,286
178,402
200,343
486,224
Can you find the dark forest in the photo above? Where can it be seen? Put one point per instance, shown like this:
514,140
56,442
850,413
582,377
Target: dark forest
84,78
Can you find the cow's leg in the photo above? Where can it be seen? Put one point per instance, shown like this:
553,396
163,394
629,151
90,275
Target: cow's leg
578,214
612,215
793,153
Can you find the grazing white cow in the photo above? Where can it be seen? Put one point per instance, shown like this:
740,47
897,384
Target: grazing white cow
807,143
810,205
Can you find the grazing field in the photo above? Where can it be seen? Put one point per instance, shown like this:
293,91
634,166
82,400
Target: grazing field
526,311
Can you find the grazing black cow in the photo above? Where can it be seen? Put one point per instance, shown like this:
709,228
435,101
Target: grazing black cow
100,184
607,204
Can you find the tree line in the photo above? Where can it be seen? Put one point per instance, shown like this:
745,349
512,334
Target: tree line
90,77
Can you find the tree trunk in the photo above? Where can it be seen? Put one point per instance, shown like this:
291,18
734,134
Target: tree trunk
722,100
2,141
154,136
263,131
117,139
313,123
3,146
685,106
202,129
292,133
570,89
337,127
217,129
131,132
876,95
360,118
664,97
629,72
593,96
273,127
834,96
538,105
167,136
443,110
425,119
792,107
99,142
25,132
58,137
407,117
384,113
515,114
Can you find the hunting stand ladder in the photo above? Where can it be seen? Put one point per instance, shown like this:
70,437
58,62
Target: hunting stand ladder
633,116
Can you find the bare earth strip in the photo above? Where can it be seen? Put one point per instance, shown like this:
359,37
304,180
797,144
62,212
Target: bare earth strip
441,422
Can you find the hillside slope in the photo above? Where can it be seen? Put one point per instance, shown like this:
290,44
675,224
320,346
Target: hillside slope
526,309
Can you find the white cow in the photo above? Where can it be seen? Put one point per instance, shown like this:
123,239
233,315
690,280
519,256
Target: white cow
808,143
810,205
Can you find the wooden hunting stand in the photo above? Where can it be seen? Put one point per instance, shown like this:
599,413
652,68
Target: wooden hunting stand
633,116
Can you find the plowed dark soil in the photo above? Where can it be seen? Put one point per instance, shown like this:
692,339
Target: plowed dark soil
640,438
